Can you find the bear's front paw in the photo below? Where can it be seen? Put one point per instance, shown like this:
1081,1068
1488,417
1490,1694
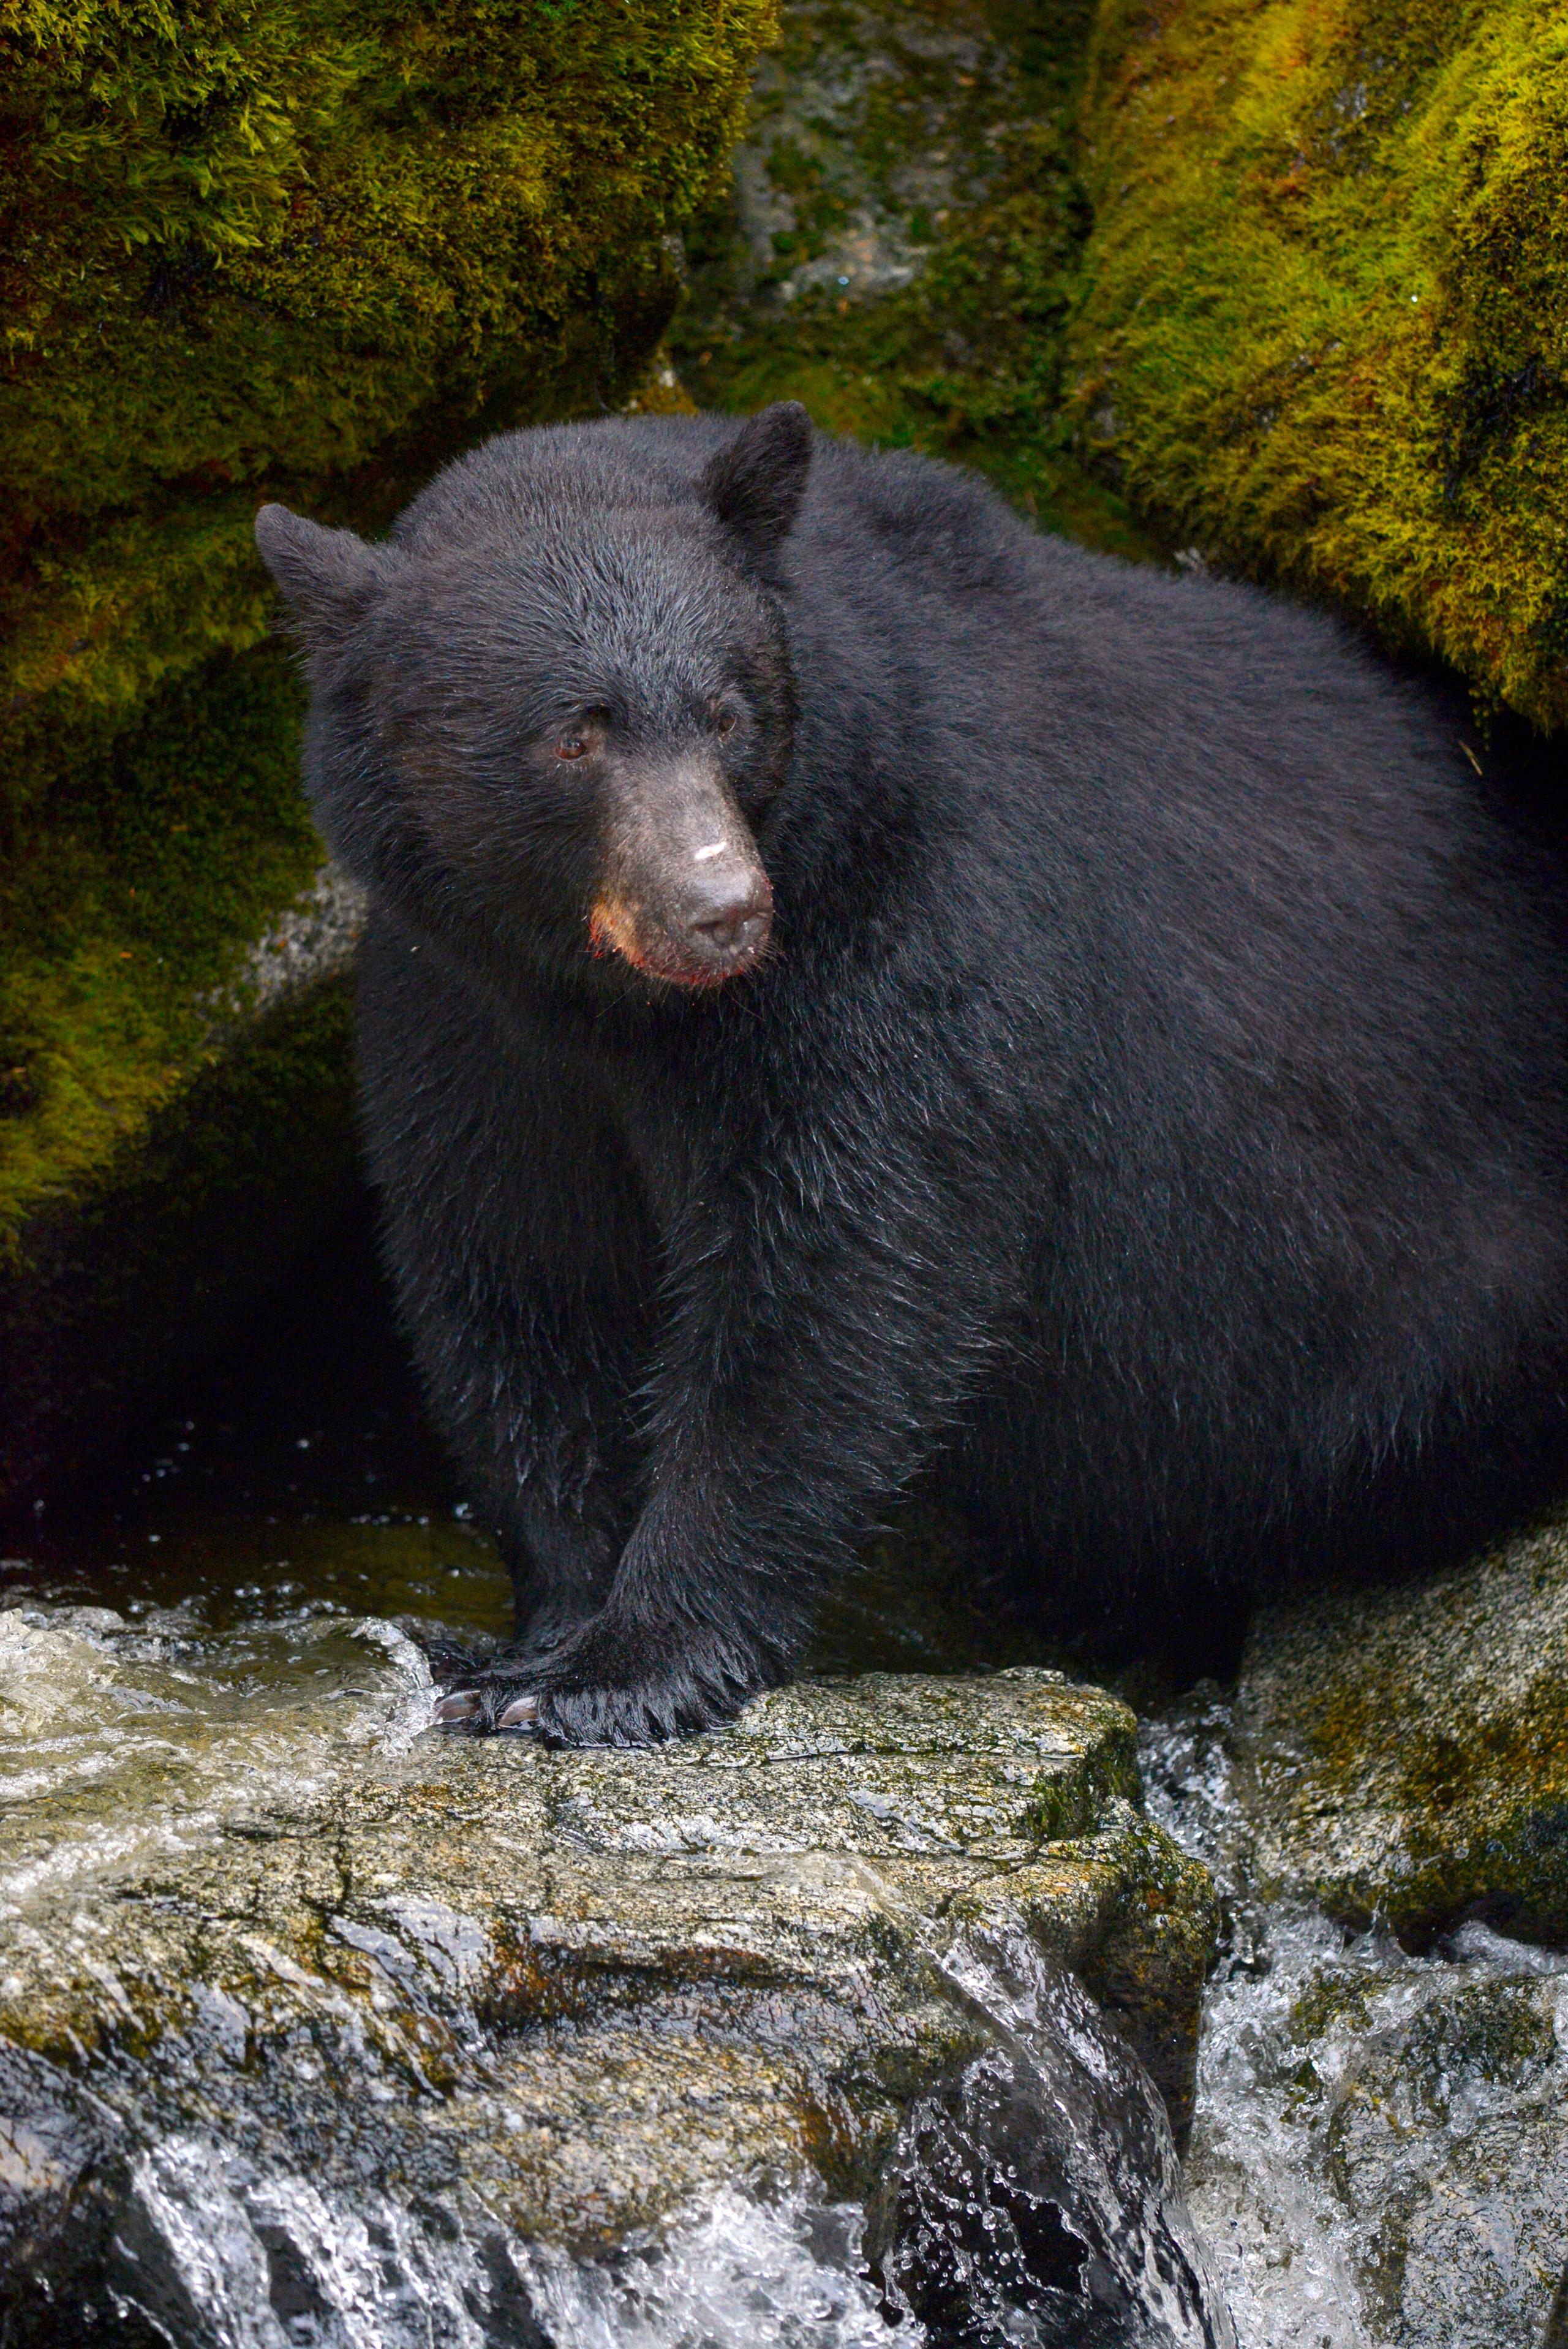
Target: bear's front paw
608,1687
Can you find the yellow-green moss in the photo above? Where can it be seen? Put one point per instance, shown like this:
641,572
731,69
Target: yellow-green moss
147,1260
1325,330
162,847
1405,1749
253,248
250,241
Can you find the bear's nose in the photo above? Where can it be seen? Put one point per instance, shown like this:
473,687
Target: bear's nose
730,911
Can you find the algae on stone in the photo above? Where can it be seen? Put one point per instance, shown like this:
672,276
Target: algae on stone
475,1992
1324,330
1406,1748
899,247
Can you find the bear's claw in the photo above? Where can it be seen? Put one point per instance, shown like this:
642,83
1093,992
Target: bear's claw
483,1711
599,1688
457,1704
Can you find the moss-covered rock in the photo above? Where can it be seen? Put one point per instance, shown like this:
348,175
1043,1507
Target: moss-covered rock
253,245
156,1255
1404,1750
1324,326
273,1969
140,882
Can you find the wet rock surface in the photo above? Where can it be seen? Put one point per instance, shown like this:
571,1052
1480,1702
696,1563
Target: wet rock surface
314,2027
1379,2157
1406,1749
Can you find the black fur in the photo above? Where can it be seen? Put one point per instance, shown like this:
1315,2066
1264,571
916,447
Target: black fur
1153,1099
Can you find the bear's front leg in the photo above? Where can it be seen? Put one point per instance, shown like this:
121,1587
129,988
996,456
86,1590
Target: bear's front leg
810,1370
533,1390
561,1561
516,1236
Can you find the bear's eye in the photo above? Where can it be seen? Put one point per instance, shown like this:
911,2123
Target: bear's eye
583,734
725,721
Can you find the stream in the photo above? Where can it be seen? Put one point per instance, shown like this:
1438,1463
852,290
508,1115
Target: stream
228,1617
220,1618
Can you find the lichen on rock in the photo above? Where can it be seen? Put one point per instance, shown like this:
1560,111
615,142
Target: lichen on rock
1323,327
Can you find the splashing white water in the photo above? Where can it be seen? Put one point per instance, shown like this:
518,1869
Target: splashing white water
1043,2182
222,2256
1377,2156
749,2274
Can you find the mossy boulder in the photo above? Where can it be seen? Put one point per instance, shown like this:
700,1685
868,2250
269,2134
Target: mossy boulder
1324,332
256,250
258,245
277,1973
1404,1750
156,1254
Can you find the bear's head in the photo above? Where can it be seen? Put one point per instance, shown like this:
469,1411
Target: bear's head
551,710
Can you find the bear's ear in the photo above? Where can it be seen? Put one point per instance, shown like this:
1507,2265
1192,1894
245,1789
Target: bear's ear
325,577
754,486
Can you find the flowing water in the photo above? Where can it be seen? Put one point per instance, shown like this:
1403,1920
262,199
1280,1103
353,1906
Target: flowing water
1034,2200
1379,2155
251,2261
224,1621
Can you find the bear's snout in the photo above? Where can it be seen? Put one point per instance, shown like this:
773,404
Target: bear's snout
731,911
684,896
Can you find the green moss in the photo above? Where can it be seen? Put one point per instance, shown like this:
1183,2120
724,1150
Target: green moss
1324,332
1406,1748
1482,1802
932,144
258,248
131,889
251,244
1148,1968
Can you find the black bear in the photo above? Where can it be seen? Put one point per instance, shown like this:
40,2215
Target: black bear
853,980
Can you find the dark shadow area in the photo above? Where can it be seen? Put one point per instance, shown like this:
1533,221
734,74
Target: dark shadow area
294,1465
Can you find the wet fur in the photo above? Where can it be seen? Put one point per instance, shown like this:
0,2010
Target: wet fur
1153,1105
